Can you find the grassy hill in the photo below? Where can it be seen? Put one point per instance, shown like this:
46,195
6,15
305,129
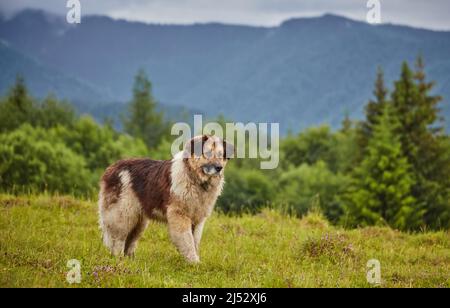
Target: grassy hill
39,234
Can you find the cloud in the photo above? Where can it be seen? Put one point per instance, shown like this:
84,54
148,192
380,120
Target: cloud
428,14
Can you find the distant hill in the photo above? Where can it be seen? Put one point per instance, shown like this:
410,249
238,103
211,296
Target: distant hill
44,79
304,72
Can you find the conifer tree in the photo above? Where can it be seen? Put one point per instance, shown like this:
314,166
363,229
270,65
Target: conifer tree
405,100
347,124
17,108
423,142
374,110
143,120
381,192
428,104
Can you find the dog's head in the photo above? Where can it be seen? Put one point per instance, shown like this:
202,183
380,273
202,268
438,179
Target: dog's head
208,155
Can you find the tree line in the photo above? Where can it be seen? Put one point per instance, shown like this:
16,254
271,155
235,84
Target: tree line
391,168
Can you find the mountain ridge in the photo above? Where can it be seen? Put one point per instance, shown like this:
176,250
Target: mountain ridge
306,71
163,24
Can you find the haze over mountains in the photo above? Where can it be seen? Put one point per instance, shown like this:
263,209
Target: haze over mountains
304,72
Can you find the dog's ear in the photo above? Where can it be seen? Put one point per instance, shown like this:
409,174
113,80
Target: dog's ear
194,147
228,150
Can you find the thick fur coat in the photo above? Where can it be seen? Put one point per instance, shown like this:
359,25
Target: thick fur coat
181,192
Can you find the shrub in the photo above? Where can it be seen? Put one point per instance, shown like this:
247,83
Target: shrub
245,191
300,186
29,162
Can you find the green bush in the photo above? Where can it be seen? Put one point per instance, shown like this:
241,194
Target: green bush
62,159
99,145
300,186
30,162
336,149
308,147
245,191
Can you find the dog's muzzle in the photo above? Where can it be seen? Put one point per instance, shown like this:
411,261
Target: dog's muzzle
212,169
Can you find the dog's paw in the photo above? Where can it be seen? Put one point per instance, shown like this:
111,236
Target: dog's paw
193,259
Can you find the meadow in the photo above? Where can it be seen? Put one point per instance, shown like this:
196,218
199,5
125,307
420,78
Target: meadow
40,234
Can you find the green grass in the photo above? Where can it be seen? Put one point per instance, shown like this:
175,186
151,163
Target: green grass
40,234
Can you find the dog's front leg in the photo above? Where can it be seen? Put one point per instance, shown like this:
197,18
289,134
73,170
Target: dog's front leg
180,229
198,231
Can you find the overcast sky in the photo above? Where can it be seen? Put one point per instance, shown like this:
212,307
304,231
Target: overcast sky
432,14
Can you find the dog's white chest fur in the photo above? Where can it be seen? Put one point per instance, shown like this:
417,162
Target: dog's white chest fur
197,201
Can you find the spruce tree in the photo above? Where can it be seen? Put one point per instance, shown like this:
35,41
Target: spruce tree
423,142
427,103
143,120
347,124
381,192
405,100
373,110
433,157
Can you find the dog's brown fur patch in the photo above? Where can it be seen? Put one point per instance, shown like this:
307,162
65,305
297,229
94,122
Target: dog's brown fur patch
150,181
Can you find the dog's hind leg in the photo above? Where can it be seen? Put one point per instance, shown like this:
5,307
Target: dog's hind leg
112,228
117,247
122,229
134,235
113,238
107,202
119,216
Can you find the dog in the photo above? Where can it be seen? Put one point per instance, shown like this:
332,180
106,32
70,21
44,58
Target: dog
181,192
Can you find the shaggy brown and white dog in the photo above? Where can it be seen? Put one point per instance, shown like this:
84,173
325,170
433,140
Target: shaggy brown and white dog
181,192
